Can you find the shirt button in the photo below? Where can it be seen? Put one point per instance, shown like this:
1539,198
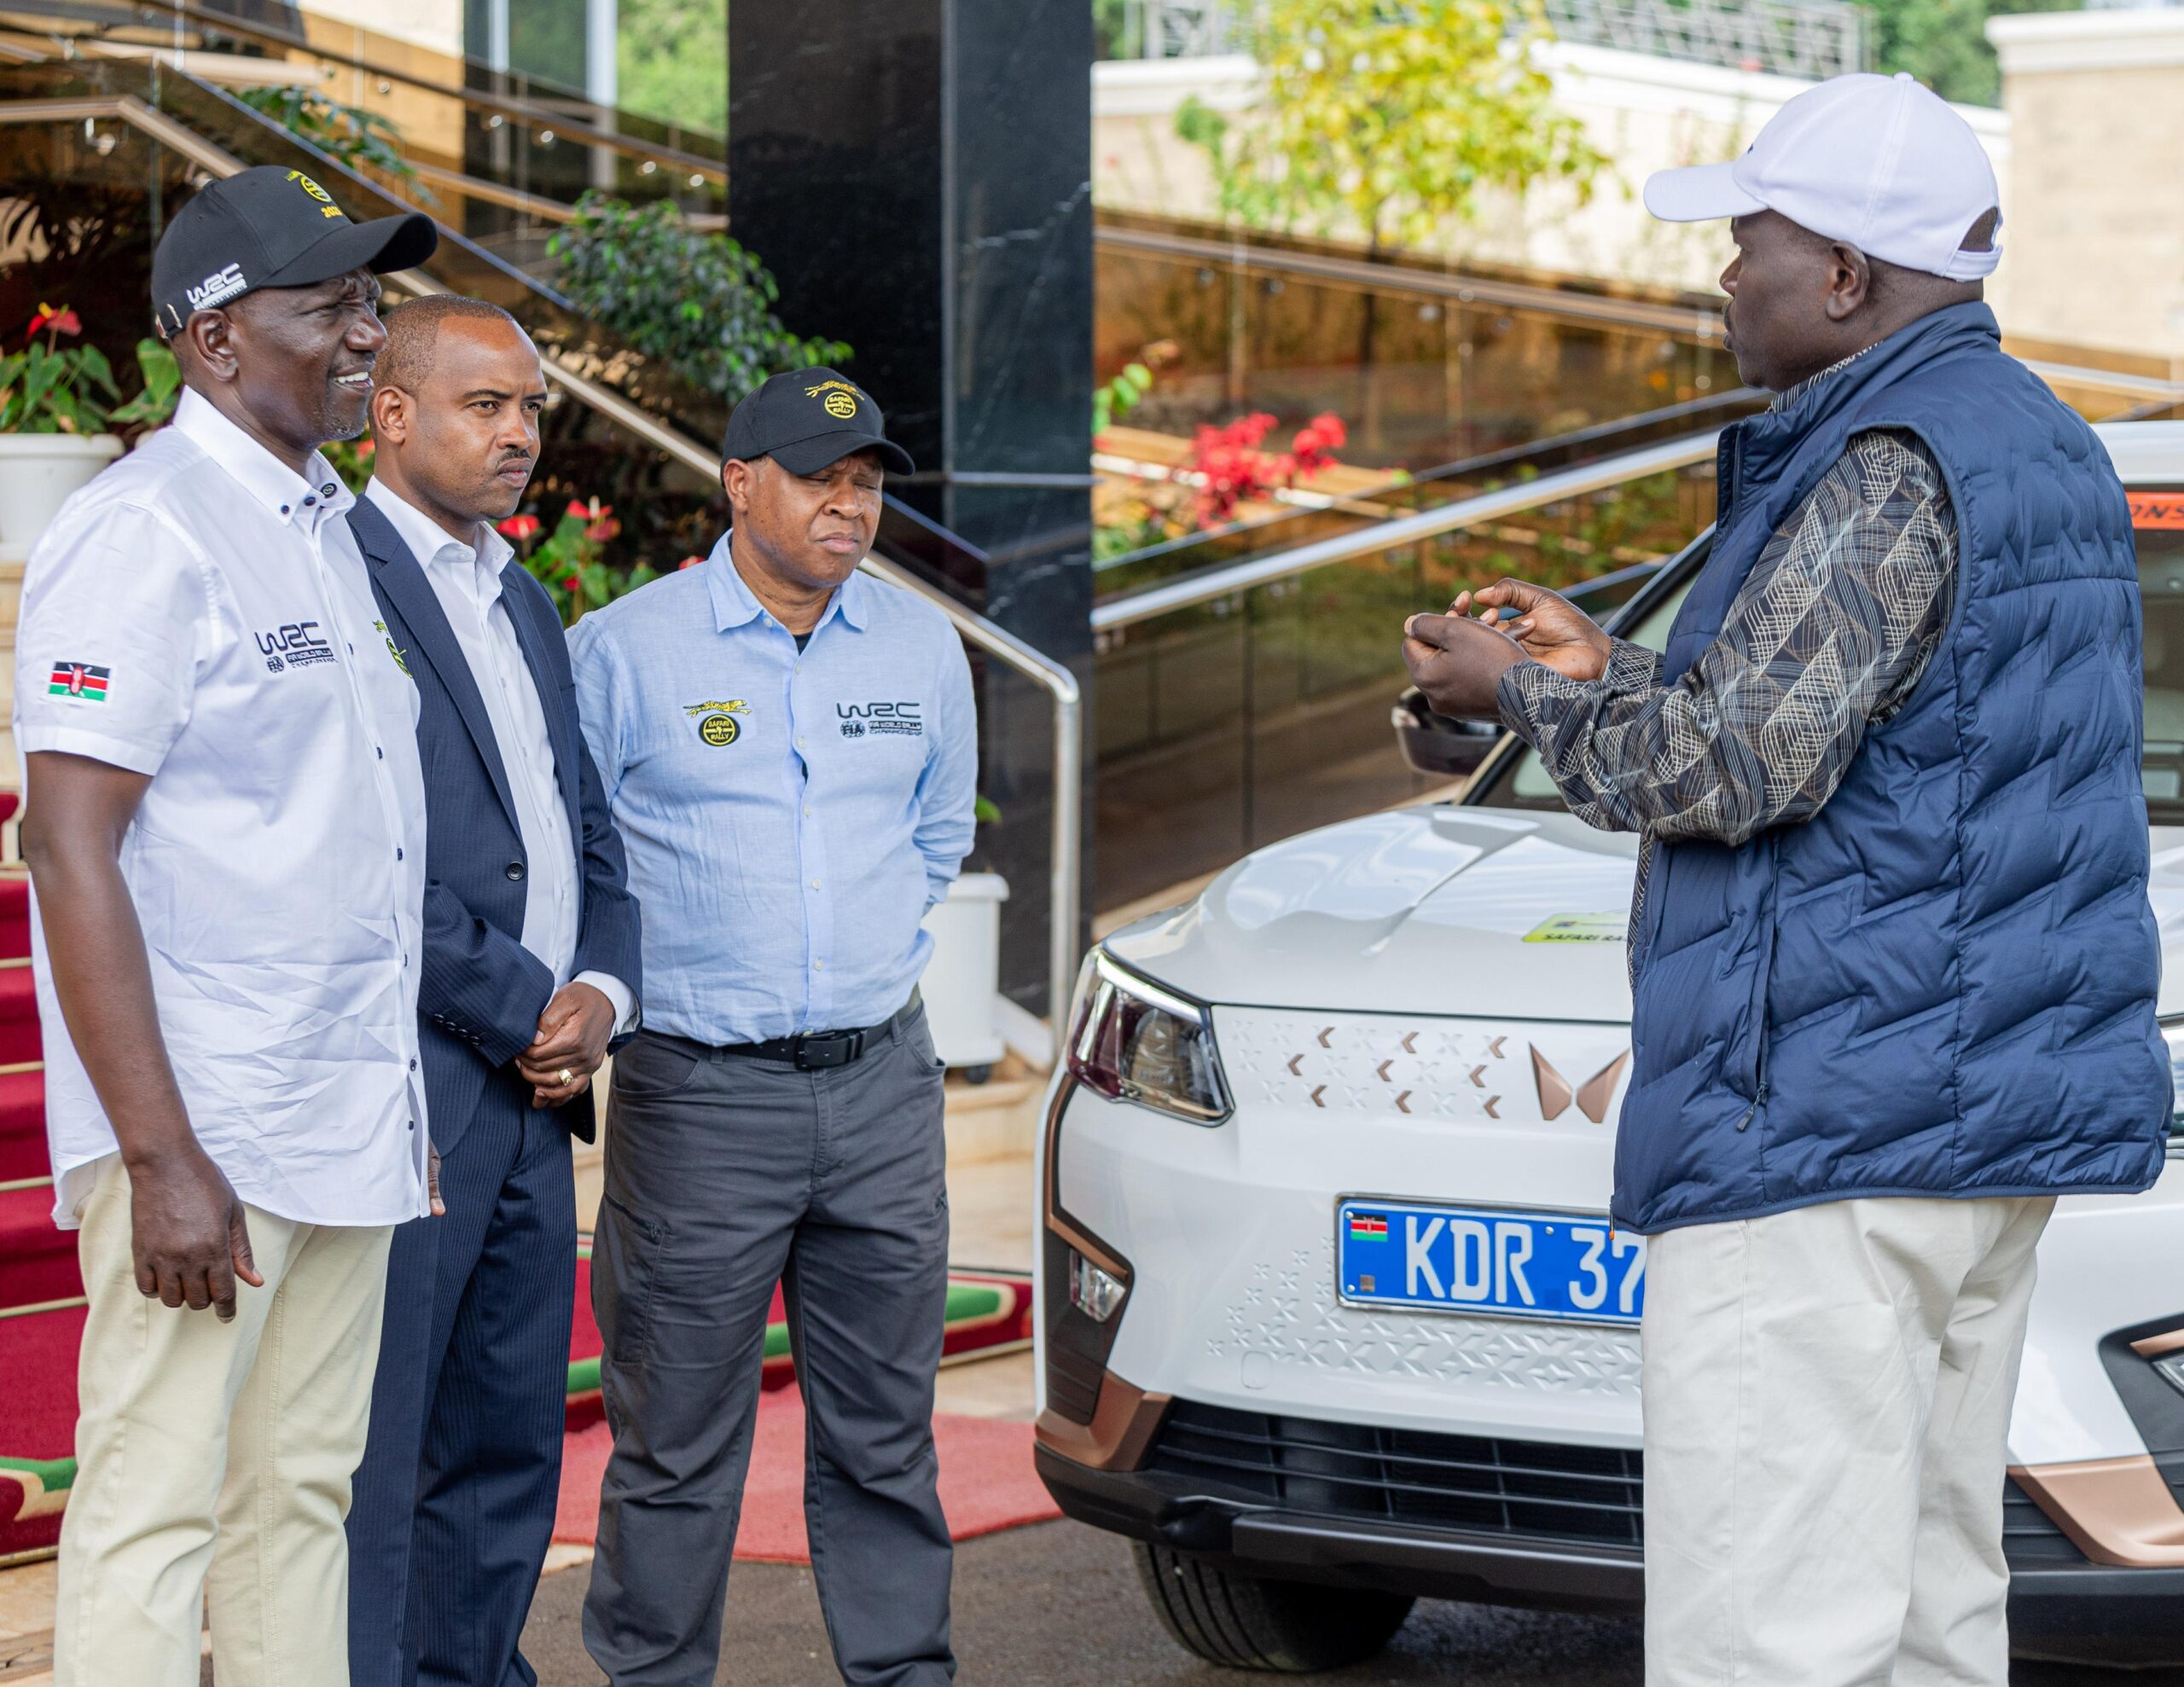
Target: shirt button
284,509
807,811
352,650
308,502
799,744
515,870
398,853
815,885
381,754
413,1065
818,966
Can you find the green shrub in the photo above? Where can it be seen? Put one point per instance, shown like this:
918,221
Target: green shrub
698,304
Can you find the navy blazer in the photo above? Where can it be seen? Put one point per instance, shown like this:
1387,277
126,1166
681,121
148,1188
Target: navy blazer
481,991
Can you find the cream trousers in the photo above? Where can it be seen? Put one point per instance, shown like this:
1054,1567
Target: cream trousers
217,1457
1827,1395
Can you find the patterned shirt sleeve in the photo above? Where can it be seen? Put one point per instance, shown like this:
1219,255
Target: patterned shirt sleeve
1835,625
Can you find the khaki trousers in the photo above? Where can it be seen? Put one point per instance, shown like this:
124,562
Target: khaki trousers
217,1457
1827,1396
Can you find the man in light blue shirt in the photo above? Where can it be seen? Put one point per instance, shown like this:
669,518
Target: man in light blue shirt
789,750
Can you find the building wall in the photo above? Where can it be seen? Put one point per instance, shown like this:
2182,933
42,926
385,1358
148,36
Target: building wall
2096,247
1644,114
433,24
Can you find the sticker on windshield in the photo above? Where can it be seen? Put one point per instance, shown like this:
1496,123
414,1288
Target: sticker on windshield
1609,927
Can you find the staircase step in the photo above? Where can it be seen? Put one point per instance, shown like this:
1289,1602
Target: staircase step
18,1036
22,1125
15,905
37,1262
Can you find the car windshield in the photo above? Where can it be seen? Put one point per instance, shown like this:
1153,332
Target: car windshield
1521,783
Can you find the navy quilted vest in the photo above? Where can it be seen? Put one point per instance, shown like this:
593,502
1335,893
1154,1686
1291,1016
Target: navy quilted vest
1943,983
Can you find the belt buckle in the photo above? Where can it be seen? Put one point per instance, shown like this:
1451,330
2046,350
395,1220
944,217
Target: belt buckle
825,1052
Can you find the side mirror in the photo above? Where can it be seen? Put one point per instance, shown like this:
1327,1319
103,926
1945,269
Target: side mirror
1436,745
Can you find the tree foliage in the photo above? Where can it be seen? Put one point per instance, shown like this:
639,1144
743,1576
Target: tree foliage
1390,117
1943,43
672,61
697,302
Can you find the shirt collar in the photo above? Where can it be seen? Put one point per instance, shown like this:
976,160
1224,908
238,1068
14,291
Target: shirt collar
1790,395
427,540
734,604
290,497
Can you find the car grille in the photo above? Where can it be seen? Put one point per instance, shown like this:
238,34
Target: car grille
1539,1490
1532,1488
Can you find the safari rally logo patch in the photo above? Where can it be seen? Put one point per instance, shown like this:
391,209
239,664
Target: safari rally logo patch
840,400
717,723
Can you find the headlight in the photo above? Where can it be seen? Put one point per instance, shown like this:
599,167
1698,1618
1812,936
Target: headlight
2173,1031
1136,1041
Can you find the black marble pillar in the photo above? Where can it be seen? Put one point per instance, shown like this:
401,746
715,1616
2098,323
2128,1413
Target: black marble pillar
916,173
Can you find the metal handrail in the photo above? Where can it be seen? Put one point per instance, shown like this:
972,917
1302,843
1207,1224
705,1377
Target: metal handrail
1701,321
1473,512
528,112
997,641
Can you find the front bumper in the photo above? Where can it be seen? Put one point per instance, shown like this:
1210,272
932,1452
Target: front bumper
2062,1606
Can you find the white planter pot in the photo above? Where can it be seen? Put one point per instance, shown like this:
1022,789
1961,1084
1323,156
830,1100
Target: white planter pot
37,471
963,979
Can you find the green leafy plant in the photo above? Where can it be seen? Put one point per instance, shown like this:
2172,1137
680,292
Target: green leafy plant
569,560
361,139
1119,396
698,304
154,405
45,388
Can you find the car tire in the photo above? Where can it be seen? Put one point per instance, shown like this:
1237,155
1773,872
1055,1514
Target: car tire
1256,1622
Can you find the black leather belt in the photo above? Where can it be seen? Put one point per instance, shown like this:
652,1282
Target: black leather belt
820,1051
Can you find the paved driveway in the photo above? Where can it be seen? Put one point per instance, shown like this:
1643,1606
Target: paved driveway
1059,1606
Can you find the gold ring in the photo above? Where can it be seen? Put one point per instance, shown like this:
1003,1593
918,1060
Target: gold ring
566,1075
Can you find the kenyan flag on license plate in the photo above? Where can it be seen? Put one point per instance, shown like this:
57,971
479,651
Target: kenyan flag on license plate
78,679
1368,1224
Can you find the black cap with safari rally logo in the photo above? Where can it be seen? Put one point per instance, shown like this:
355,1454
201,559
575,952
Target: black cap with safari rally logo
808,419
267,227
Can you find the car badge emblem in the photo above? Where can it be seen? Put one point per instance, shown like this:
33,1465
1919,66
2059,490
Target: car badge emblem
1592,1096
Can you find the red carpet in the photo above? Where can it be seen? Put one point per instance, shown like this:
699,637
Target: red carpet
987,1483
38,1425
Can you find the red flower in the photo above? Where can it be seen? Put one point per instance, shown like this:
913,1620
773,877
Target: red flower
521,527
573,584
603,529
50,321
589,509
688,562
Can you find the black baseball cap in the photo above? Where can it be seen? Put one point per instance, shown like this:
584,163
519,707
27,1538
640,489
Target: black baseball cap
267,227
807,420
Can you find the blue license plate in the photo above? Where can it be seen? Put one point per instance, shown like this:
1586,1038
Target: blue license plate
1560,1266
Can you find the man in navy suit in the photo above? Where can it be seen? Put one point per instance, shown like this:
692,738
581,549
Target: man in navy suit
529,970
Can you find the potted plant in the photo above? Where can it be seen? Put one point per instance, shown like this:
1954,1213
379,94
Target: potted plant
57,406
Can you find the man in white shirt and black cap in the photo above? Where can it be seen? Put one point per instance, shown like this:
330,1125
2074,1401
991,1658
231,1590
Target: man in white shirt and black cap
225,830
1892,957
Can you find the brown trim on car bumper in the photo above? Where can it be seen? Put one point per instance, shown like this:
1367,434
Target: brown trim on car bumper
1122,1428
2118,1512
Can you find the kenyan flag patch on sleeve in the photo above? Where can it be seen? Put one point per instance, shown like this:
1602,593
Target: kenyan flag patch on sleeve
78,680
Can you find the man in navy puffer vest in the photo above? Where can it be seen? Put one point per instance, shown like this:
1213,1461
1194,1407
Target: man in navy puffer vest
1893,961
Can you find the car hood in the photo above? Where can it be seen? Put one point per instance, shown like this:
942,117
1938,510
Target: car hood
1439,909
1447,910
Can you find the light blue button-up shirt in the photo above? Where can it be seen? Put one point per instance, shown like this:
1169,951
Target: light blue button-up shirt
789,818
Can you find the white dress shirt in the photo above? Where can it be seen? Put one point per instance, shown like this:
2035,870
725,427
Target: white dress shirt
467,581
200,614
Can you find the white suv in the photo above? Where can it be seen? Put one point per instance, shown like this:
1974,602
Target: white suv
1330,1313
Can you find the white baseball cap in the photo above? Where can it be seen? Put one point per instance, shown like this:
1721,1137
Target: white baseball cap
1879,162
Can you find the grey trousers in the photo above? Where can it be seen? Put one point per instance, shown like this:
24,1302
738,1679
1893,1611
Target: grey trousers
723,1174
